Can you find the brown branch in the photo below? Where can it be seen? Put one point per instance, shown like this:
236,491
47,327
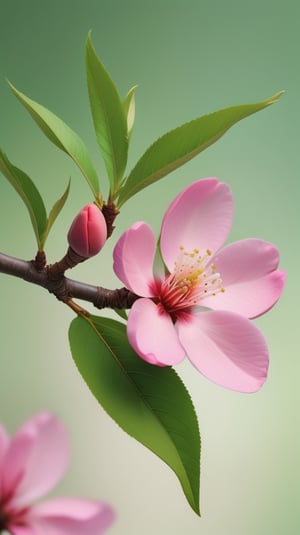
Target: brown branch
63,287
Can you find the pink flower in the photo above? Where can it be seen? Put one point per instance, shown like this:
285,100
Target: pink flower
200,304
88,232
31,463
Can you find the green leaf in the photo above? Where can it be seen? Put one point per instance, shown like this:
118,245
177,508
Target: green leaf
180,145
129,109
63,137
122,313
30,195
150,403
108,116
54,212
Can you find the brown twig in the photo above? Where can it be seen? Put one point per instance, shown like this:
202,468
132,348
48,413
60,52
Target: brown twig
64,288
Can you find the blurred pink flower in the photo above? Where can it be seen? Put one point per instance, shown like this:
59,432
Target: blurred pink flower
88,232
31,463
199,304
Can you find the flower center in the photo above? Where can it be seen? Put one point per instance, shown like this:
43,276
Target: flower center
192,279
9,514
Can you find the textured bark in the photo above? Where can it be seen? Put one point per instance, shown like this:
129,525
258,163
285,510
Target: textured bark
52,278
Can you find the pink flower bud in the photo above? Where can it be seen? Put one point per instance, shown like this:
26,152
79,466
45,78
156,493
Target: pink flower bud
88,231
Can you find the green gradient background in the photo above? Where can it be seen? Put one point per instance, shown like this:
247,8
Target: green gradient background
188,59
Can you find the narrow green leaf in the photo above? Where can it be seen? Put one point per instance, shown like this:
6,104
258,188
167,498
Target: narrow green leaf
180,145
63,137
150,403
129,109
30,195
122,313
108,116
54,212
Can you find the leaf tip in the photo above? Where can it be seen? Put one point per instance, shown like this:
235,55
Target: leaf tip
68,185
275,97
17,93
195,507
12,87
89,37
89,47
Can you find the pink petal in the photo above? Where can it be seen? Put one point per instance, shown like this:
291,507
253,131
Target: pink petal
15,460
71,517
133,258
250,278
4,441
227,348
39,453
200,217
23,530
152,334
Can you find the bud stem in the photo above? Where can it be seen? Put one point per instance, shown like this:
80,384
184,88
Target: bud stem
70,260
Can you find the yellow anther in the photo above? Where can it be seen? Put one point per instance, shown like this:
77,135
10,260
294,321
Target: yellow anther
208,252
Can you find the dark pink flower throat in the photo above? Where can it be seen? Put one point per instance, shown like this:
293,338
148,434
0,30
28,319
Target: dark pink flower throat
192,279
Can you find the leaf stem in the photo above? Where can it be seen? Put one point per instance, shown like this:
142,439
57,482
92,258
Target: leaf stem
110,213
77,308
